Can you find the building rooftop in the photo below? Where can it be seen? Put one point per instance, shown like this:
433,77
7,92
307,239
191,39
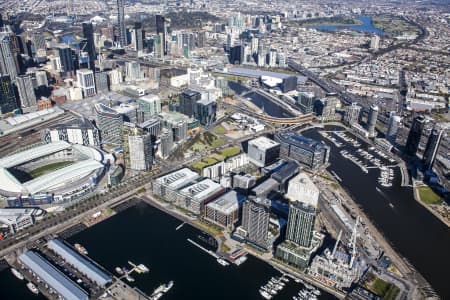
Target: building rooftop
52,276
297,140
202,189
301,188
79,262
263,143
228,202
178,179
265,187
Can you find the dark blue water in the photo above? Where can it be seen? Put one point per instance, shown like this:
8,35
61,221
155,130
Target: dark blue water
269,107
411,229
366,26
143,234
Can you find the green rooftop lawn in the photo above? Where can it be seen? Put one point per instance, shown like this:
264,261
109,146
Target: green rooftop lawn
428,196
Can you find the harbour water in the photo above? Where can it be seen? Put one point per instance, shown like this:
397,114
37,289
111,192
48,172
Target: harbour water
413,231
271,108
366,26
143,234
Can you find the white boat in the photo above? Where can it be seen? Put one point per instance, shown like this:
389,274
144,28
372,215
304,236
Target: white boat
32,288
265,295
80,249
157,296
158,290
285,279
316,292
119,270
17,273
142,268
168,286
129,278
222,261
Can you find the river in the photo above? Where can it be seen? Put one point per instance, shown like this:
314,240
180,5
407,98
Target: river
144,234
413,231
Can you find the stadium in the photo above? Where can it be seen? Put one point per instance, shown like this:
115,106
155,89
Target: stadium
57,171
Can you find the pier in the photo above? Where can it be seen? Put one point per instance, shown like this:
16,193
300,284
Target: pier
179,226
204,249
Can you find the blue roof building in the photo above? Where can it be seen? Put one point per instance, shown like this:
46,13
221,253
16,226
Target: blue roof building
48,273
83,265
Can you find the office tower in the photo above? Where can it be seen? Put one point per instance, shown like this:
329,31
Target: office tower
78,131
166,144
415,133
158,49
187,100
26,91
272,58
88,33
375,42
138,150
41,78
102,82
432,147
205,111
306,102
303,195
161,30
288,84
281,60
393,126
132,71
255,221
39,43
67,60
8,101
149,105
121,23
263,151
372,120
352,113
85,79
236,55
138,37
301,241
8,62
306,151
110,124
255,44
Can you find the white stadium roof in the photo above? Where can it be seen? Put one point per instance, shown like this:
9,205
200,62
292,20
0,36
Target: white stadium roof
51,181
33,153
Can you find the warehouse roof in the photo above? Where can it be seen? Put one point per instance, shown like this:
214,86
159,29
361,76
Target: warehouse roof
79,262
52,276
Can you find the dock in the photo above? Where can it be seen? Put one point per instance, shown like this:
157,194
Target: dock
179,226
204,249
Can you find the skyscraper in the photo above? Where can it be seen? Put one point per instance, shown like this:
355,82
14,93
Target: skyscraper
110,124
415,133
138,37
393,126
85,79
26,91
8,101
67,58
88,33
138,149
352,113
8,63
187,100
300,242
161,29
255,221
432,147
372,120
121,23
